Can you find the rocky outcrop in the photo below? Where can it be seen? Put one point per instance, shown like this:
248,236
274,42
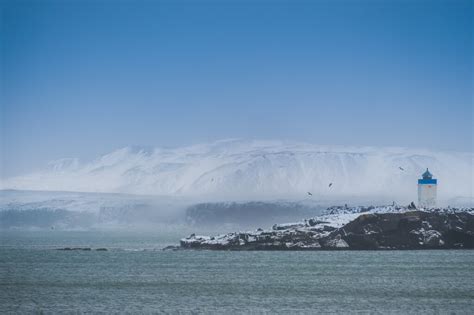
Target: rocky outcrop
398,228
83,249
409,230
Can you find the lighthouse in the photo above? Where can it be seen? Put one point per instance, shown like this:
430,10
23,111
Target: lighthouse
427,190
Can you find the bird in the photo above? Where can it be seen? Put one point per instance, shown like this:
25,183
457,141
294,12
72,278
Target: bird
330,184
401,168
310,194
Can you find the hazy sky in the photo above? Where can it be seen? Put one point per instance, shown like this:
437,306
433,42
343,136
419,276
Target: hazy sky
81,78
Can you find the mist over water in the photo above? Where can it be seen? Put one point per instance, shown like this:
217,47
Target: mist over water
65,211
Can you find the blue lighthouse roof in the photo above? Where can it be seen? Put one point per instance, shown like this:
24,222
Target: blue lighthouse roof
427,179
427,175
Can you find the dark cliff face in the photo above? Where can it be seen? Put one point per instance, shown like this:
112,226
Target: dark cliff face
402,230
409,230
254,213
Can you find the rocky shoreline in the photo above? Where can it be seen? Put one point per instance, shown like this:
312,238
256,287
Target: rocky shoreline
358,228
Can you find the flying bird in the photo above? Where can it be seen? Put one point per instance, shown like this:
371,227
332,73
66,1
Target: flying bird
310,194
401,168
330,184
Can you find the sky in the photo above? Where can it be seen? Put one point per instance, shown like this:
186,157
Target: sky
82,78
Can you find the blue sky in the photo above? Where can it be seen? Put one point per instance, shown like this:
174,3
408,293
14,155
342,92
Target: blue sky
81,78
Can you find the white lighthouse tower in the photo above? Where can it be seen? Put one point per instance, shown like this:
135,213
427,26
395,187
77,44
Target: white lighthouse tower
427,190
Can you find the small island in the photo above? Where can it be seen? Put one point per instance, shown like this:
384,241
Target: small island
355,228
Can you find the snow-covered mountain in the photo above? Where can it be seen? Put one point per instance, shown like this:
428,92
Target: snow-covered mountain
239,169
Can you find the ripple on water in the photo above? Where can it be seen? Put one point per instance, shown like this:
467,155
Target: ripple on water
140,279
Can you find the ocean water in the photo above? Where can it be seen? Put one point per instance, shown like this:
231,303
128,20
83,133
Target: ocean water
135,276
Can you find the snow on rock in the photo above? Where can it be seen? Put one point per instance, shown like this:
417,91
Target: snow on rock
336,242
386,227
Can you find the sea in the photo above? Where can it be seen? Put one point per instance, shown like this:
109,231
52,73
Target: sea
135,276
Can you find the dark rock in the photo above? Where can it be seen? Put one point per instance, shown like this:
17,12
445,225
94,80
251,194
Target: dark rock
408,230
393,230
171,247
65,248
328,228
313,222
75,248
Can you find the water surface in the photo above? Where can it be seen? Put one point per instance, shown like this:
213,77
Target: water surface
135,276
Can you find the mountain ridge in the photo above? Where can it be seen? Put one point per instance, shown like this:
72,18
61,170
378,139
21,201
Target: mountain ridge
241,169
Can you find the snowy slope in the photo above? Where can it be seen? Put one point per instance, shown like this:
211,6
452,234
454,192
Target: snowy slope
238,169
